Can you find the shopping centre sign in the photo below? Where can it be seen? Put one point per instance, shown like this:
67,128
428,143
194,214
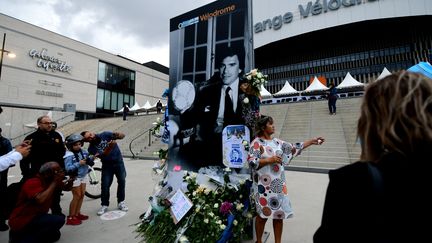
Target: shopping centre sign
311,8
49,62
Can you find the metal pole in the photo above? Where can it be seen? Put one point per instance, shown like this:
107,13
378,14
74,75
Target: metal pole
150,131
2,51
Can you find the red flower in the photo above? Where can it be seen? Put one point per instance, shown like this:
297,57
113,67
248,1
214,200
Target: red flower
225,208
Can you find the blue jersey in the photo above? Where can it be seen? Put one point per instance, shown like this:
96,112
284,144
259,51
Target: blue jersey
102,142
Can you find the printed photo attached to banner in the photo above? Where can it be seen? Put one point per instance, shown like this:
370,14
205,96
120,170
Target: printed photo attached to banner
180,205
233,139
200,41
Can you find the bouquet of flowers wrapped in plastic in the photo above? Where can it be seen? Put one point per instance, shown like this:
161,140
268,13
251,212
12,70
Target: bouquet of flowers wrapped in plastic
158,128
218,215
250,96
256,80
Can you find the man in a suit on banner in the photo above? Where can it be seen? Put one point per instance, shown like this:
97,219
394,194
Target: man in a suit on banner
217,105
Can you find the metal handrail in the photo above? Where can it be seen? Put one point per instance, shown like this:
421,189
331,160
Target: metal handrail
149,143
27,133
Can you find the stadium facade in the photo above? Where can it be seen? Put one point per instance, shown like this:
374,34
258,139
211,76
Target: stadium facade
53,72
298,39
293,41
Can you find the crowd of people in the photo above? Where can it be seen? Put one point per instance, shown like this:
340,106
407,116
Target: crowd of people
363,203
48,164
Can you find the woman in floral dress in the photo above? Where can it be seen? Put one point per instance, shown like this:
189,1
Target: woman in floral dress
267,158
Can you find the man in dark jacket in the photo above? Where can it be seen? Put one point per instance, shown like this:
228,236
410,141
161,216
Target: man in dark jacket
217,105
47,145
159,106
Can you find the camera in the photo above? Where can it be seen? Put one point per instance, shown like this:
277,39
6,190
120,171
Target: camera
90,160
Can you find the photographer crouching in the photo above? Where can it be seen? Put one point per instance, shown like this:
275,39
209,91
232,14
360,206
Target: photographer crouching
30,221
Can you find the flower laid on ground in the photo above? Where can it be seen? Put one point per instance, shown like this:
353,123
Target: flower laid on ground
256,79
226,208
220,214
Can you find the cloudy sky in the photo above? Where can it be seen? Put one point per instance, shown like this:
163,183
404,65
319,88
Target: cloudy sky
136,29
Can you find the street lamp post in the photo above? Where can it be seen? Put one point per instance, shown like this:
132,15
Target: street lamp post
2,51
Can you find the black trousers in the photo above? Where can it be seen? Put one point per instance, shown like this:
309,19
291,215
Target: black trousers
44,228
3,194
55,206
332,105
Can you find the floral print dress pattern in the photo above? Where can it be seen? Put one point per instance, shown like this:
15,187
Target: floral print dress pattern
269,190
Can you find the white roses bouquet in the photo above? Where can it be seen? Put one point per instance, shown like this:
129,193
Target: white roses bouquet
256,79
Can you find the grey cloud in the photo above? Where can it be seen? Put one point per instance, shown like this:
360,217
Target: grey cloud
148,21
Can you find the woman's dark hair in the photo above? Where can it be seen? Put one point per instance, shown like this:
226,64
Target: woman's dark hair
262,123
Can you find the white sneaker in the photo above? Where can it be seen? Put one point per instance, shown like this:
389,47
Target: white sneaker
102,210
122,206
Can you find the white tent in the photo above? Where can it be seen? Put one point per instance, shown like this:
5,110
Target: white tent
315,85
286,90
147,105
135,107
349,82
143,108
121,110
264,92
385,72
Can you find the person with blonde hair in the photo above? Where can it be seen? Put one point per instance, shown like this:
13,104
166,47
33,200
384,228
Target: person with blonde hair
383,197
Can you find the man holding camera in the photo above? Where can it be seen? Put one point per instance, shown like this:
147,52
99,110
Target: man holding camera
104,146
30,221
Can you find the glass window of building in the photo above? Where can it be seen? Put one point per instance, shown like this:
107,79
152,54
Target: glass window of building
114,101
100,99
102,72
115,84
120,100
107,100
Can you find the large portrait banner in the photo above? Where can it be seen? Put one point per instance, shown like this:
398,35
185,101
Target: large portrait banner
210,50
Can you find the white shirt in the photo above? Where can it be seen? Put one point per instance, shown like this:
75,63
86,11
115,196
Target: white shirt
234,97
9,159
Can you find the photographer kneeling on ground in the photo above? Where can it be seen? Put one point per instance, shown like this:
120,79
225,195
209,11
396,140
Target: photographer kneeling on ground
30,221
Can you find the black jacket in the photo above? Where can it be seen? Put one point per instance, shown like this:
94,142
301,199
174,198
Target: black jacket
207,109
354,212
46,147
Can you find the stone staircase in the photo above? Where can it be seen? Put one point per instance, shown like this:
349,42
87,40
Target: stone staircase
296,122
135,128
